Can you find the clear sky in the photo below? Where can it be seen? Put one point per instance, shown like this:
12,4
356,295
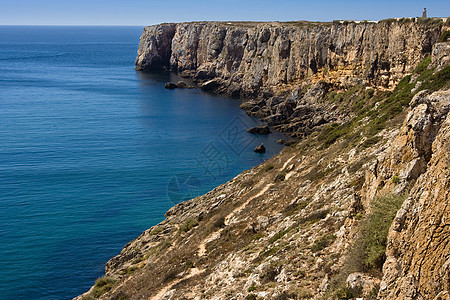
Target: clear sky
148,12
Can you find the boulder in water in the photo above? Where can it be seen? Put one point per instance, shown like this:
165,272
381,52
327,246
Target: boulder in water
260,149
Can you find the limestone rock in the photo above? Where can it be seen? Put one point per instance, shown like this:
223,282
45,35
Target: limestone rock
441,55
417,265
154,49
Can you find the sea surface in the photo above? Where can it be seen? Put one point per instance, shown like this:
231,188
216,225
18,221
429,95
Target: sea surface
92,153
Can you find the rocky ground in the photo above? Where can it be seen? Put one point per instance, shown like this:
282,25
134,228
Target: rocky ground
357,208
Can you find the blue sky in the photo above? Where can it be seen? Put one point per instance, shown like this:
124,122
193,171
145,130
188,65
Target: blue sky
147,12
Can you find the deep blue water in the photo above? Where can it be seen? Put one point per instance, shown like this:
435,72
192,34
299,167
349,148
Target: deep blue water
92,153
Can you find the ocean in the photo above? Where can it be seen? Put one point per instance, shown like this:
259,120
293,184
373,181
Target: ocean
92,153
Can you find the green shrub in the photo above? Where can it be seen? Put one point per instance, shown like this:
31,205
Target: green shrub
103,285
390,104
132,269
423,65
251,289
280,177
371,141
316,216
370,246
388,21
367,254
395,179
430,22
267,252
189,224
434,82
278,236
323,242
156,230
268,168
444,36
405,20
348,293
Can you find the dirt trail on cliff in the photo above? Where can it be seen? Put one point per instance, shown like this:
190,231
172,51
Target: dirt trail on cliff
164,290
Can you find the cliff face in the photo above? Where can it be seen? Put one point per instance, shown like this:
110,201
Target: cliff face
418,252
274,63
358,208
252,57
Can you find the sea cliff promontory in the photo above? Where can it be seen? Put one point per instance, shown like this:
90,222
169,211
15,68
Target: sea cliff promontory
357,208
272,64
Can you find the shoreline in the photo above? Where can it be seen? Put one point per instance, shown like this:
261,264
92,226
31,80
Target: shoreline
287,227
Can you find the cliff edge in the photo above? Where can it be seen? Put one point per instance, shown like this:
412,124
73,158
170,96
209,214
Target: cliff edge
358,208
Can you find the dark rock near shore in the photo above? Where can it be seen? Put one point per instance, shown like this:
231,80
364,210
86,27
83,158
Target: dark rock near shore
181,85
211,85
260,149
178,85
263,129
170,85
187,74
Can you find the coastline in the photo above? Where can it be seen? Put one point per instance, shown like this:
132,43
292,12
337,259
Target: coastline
257,234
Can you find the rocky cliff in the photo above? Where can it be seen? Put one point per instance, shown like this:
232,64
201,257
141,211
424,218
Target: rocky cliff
274,64
357,208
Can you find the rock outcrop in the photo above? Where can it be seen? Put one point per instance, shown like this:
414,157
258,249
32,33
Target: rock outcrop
418,252
259,130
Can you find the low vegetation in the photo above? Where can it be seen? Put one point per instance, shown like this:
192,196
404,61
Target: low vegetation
189,224
444,36
323,242
430,22
102,285
388,106
367,254
372,240
267,168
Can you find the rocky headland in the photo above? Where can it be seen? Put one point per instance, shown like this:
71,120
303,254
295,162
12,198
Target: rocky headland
358,208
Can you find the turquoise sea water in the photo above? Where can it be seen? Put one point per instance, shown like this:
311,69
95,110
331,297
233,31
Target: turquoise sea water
92,153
